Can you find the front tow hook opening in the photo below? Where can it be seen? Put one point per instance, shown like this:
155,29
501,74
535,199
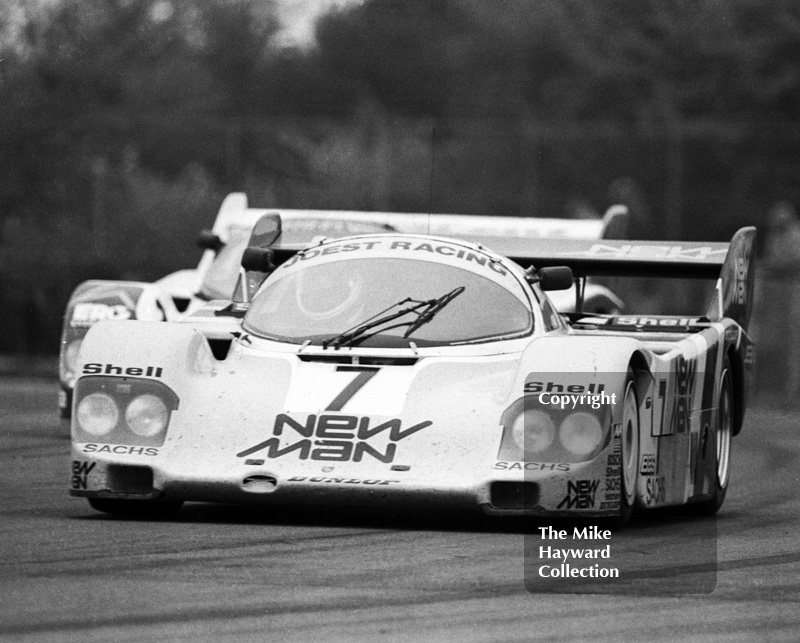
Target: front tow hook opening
260,484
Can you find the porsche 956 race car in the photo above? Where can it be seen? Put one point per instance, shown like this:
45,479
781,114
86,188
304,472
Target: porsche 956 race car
181,293
418,370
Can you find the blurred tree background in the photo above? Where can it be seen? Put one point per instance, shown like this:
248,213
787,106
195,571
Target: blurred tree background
123,123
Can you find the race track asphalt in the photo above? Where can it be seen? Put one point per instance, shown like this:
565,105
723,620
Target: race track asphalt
219,573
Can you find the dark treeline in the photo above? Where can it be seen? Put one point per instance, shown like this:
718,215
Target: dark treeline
124,122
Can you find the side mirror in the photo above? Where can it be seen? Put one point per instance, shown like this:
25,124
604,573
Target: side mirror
555,278
256,267
266,231
208,240
258,260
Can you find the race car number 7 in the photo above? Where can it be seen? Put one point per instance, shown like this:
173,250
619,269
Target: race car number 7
364,375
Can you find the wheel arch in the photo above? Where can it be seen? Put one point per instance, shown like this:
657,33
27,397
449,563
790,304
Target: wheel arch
641,372
735,359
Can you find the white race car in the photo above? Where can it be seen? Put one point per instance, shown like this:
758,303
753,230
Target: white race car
420,370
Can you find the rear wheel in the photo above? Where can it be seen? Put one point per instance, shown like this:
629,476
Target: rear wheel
136,508
722,447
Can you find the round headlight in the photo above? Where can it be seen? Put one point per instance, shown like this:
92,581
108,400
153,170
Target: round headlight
533,431
581,433
147,415
71,358
97,414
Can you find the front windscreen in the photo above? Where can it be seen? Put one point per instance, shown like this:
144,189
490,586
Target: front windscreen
320,302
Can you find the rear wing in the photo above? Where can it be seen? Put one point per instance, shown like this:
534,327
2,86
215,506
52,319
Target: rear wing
492,230
609,258
235,213
731,264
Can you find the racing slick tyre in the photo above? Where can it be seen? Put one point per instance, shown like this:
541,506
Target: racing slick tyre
722,448
136,508
629,455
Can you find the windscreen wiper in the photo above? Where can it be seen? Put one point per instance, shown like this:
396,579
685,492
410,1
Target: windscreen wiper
430,306
435,305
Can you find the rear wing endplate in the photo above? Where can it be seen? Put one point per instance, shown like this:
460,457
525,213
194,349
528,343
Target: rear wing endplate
736,284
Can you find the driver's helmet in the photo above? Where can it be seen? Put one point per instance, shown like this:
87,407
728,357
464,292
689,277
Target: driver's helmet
330,290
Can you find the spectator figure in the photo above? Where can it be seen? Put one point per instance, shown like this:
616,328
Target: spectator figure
642,224
580,208
644,294
782,245
777,306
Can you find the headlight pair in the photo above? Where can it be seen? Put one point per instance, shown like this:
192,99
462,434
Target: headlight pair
579,433
122,410
146,415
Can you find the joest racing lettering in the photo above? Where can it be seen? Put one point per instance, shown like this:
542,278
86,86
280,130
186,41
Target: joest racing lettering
450,251
445,250
119,449
337,438
133,371
531,466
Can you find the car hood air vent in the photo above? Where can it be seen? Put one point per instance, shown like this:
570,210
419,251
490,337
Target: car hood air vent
364,360
220,347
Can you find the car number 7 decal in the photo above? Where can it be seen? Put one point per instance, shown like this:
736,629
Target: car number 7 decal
365,374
